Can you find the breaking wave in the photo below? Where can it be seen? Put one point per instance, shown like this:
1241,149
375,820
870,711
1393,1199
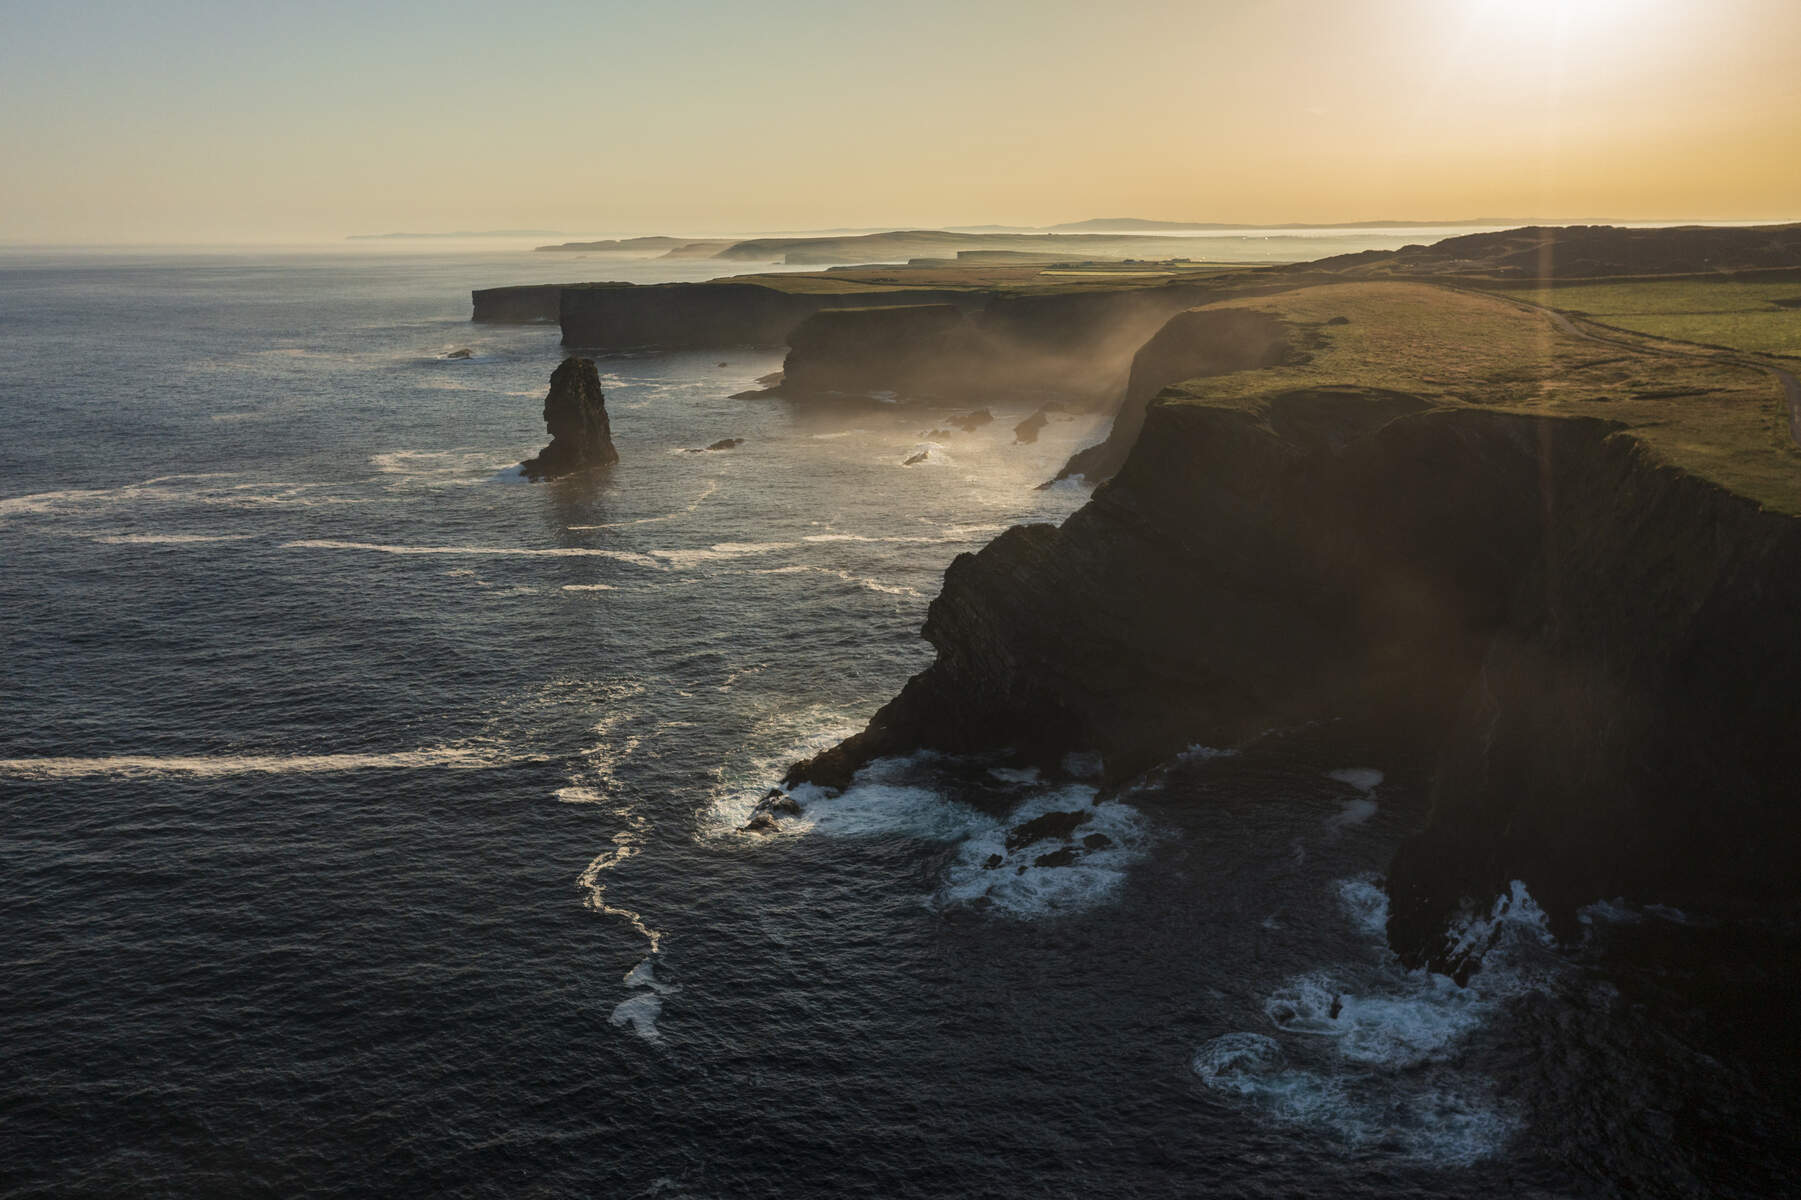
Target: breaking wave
1370,1055
129,766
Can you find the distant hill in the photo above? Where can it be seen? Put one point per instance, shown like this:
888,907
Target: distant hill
665,247
1545,252
1134,224
1141,225
461,233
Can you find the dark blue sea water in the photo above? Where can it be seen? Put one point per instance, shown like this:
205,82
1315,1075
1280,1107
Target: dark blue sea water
370,815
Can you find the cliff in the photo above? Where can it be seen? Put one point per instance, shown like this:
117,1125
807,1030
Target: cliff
1572,617
527,304
913,349
1632,730
691,315
575,414
1190,346
1072,347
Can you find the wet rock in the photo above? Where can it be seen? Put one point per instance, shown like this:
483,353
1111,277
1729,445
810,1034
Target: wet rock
726,444
774,801
1339,321
1097,841
575,413
464,353
916,459
971,422
725,364
1060,825
994,861
1057,858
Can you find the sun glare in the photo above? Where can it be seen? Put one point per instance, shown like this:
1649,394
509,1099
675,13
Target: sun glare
1557,18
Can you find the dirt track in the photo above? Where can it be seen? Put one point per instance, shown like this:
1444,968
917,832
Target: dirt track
1791,386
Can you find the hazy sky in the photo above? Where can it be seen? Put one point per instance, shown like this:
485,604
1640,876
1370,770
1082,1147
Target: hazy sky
212,121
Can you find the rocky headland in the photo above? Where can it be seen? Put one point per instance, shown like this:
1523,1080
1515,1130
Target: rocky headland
575,414
1071,347
1540,568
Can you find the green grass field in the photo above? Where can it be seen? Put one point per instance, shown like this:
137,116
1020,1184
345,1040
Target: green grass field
1001,277
1722,421
1761,318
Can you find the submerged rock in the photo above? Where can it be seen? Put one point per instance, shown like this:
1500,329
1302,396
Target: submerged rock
463,353
916,459
1057,858
726,444
971,422
575,413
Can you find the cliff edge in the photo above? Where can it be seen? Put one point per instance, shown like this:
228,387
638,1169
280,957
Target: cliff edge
1564,576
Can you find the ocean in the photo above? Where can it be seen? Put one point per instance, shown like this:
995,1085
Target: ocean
372,815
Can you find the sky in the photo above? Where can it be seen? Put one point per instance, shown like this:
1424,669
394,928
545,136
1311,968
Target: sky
213,122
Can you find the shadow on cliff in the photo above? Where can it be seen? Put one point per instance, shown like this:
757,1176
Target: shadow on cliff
1596,649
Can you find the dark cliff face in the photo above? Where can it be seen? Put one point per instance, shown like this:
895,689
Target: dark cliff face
1190,345
1596,650
1633,728
575,413
690,315
528,304
912,350
1073,348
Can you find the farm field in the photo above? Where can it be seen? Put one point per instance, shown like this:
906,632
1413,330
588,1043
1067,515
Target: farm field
1759,318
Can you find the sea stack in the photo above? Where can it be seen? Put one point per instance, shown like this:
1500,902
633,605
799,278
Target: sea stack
575,413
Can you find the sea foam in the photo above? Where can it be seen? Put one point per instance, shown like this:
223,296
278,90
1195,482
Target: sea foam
895,798
1371,1055
131,766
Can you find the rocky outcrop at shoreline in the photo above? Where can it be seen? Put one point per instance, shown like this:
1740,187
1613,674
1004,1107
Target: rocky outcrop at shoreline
575,413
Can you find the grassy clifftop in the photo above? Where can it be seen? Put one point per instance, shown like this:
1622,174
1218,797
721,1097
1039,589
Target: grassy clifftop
1721,421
